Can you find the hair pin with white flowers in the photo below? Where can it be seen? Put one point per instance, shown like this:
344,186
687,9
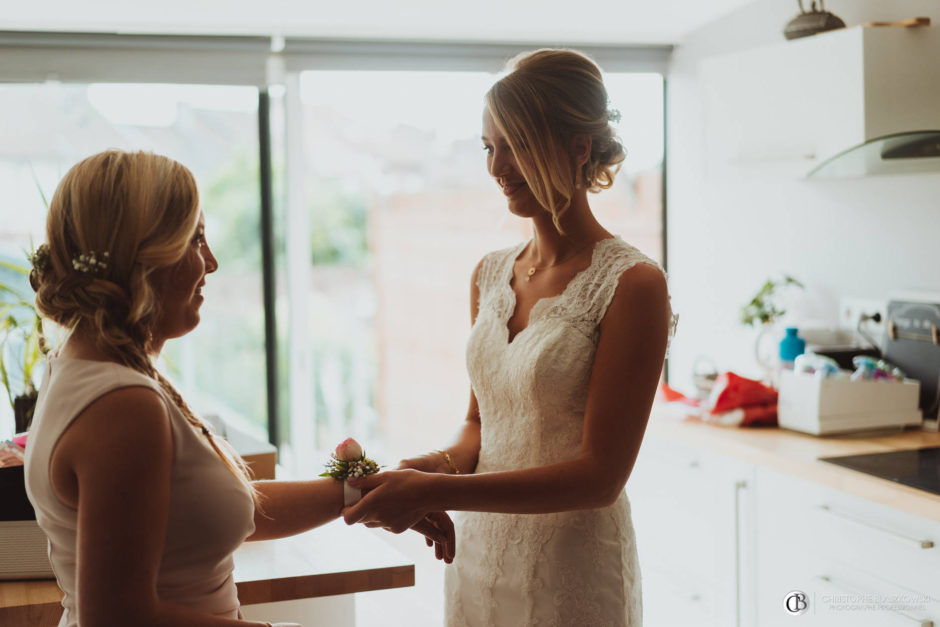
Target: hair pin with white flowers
89,262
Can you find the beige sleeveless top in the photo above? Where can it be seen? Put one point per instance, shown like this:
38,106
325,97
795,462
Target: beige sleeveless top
210,515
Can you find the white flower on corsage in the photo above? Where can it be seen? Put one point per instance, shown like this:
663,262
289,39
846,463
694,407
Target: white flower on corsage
349,460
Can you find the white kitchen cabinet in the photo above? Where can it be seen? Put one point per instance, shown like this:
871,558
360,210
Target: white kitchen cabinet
858,563
790,105
693,515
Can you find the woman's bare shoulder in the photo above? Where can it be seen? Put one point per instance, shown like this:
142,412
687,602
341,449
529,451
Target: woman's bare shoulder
117,435
127,415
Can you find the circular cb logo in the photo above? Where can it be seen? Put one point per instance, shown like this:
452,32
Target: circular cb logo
795,603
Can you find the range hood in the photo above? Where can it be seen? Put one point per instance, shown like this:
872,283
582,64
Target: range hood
900,153
858,101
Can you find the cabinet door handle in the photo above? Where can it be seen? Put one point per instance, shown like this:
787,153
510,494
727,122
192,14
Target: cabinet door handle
739,486
920,622
920,544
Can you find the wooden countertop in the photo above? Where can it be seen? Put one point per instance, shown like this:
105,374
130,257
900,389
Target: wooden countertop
333,559
797,454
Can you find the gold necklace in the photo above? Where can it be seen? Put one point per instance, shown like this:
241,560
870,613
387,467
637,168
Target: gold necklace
532,269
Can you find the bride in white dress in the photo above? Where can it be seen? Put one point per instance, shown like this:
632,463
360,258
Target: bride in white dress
569,335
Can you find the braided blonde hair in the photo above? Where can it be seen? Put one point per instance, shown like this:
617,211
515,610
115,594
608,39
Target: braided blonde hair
142,210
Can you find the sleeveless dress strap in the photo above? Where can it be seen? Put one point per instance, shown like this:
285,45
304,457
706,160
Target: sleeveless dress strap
592,291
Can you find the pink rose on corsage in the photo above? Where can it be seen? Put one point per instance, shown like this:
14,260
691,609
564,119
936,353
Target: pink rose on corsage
349,460
348,450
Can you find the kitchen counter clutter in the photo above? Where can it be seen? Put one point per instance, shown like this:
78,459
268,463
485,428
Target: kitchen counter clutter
730,521
824,406
331,560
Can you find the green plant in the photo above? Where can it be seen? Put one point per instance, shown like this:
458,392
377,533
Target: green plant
20,330
763,308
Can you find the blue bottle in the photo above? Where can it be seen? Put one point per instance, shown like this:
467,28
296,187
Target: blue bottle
791,346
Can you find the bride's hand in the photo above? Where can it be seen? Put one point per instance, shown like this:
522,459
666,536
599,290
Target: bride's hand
391,499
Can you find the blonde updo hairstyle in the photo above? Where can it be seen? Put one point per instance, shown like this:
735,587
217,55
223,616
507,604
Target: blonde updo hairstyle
548,98
137,212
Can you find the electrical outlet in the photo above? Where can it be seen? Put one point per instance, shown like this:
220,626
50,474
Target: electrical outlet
851,310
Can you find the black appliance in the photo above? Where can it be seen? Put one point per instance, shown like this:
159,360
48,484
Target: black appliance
917,468
14,505
912,343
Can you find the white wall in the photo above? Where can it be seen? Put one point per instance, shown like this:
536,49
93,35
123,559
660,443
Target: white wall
853,237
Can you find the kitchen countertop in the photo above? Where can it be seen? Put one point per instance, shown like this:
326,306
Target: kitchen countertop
333,559
797,454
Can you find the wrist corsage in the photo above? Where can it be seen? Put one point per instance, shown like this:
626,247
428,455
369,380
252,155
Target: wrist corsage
349,460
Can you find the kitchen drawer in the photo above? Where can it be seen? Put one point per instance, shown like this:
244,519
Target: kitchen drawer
884,549
668,601
837,595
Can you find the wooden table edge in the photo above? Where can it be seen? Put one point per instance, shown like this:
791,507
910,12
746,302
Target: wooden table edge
325,584
262,591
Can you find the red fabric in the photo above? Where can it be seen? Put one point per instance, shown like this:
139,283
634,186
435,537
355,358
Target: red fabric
760,415
732,391
666,394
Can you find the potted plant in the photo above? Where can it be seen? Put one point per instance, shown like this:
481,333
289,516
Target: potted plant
20,330
761,312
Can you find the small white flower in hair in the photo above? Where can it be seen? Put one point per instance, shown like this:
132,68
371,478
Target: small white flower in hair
89,262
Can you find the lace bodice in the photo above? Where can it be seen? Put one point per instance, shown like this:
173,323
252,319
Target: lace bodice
550,569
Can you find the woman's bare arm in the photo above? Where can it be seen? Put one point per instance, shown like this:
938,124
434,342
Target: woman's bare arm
463,451
292,507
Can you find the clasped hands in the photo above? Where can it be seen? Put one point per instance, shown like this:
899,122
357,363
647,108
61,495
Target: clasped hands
395,500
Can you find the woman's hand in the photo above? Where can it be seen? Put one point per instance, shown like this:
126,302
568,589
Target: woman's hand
438,531
392,499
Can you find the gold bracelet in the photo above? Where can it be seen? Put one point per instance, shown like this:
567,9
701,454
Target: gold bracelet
450,462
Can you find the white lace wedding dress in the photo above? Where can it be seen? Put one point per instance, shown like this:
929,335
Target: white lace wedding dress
564,569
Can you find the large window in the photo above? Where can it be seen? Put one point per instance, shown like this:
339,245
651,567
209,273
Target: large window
210,129
382,209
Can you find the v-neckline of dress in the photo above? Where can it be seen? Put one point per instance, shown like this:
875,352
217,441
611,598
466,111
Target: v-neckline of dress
537,306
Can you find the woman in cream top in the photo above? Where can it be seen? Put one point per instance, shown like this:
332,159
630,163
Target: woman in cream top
142,504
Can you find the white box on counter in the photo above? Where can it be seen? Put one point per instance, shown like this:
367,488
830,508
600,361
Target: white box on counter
821,406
